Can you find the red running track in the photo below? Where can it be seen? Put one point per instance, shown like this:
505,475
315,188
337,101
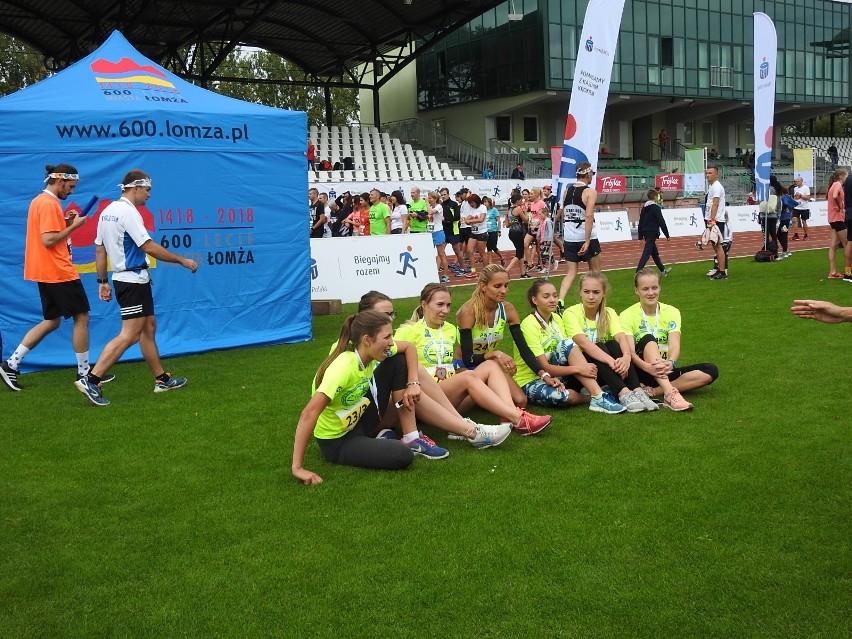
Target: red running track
679,250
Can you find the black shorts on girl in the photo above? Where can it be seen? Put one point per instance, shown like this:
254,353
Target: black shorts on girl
570,251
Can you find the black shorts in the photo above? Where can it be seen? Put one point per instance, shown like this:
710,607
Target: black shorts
479,237
464,234
838,226
805,214
65,299
135,300
569,251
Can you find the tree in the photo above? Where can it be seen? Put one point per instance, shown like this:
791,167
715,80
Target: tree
268,66
22,65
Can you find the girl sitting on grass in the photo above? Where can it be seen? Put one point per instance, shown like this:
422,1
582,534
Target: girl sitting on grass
595,328
435,342
557,361
656,329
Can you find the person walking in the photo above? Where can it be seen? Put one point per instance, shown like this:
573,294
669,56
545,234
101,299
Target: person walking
651,222
123,238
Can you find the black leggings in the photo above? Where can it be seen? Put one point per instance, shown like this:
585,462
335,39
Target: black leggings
646,378
782,233
517,238
768,225
651,251
358,447
607,376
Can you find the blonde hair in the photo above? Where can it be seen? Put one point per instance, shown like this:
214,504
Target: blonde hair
476,303
603,318
426,296
354,329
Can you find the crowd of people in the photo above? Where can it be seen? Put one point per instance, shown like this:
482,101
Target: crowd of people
377,383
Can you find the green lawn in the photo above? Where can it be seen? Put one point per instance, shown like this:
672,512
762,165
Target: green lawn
175,515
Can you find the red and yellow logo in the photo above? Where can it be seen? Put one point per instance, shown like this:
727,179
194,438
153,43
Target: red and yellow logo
128,74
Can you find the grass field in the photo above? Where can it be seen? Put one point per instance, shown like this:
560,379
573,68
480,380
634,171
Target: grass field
175,515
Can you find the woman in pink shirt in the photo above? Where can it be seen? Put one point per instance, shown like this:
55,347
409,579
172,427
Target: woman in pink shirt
836,220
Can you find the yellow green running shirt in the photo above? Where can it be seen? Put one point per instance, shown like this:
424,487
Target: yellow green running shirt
347,385
576,322
487,339
667,320
435,346
541,340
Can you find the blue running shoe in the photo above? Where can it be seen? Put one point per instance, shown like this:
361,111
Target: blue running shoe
606,404
427,448
92,392
171,383
386,433
106,379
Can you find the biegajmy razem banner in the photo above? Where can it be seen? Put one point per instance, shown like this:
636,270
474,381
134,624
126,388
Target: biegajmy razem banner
590,88
765,54
803,165
695,162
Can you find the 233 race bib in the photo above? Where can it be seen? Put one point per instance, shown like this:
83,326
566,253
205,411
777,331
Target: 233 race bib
349,416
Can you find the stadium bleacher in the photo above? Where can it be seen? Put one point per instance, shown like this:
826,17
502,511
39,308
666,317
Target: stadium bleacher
820,146
374,156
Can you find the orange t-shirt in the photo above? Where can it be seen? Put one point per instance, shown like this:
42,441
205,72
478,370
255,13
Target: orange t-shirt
43,264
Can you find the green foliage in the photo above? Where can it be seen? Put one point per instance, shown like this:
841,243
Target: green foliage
22,65
822,126
175,515
268,66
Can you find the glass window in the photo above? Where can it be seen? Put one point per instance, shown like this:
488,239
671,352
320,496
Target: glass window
667,52
707,132
653,50
688,135
703,58
531,128
503,127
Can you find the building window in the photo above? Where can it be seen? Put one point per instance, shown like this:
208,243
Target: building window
503,127
531,128
667,52
688,133
707,132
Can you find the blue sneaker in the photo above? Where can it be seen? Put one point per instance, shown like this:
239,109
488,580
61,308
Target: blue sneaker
445,279
171,383
386,433
106,379
606,404
92,392
427,448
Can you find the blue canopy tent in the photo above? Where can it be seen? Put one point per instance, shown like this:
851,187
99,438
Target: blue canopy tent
229,184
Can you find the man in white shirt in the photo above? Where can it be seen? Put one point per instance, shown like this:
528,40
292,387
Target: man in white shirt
802,212
716,218
123,238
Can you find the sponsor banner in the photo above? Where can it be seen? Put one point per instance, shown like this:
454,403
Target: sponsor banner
669,182
803,165
345,268
695,162
613,226
690,221
612,184
765,53
590,88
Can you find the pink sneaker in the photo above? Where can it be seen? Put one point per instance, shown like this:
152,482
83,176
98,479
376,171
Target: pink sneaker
675,401
530,424
835,276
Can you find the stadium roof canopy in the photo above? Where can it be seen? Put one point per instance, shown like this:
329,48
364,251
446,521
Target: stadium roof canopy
330,39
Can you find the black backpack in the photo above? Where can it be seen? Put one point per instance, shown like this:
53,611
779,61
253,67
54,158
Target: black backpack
764,256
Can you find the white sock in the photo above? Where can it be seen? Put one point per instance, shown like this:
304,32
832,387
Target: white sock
18,356
410,437
83,363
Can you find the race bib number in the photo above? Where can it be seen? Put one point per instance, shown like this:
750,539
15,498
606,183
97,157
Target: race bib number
430,227
664,352
349,416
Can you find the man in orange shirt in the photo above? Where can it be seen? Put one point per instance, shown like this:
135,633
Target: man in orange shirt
48,262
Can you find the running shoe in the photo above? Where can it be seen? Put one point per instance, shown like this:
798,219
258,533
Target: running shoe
666,271
386,433
425,447
445,279
675,401
171,383
471,276
712,272
560,307
847,278
835,276
721,275
796,237
530,424
605,404
632,403
699,246
646,401
92,392
10,377
488,436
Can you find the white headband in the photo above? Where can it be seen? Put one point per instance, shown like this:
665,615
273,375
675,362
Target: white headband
135,183
62,176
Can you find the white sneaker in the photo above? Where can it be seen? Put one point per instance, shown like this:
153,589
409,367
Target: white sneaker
712,272
631,402
646,401
461,438
488,435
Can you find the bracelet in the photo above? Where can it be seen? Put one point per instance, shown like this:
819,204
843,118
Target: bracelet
414,383
674,363
103,281
545,374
